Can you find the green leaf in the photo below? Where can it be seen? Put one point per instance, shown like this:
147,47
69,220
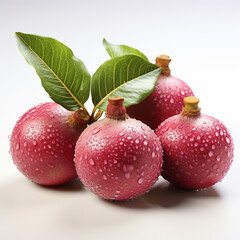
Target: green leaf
63,76
119,50
128,76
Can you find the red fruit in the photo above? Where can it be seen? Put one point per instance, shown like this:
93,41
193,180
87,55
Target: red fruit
118,157
42,144
165,101
198,149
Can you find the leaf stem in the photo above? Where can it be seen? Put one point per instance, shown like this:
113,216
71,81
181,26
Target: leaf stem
93,117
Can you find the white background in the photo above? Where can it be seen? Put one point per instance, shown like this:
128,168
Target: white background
203,40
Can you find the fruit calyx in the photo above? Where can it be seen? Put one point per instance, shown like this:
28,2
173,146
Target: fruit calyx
163,62
115,109
191,106
79,118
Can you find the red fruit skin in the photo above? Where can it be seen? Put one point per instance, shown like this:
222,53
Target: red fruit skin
197,150
118,159
42,144
165,101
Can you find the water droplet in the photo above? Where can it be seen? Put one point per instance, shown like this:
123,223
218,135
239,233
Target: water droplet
145,142
95,130
165,128
140,180
105,162
70,145
142,128
127,175
50,165
153,154
34,143
218,158
104,177
210,154
201,149
137,141
195,144
49,146
17,146
129,138
191,139
128,168
217,134
227,140
91,162
121,134
134,158
215,166
25,144
171,100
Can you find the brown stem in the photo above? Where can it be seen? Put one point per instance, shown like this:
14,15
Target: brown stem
79,118
191,106
163,62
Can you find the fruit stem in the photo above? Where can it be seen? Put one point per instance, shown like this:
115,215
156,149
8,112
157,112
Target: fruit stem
79,118
191,106
115,108
163,62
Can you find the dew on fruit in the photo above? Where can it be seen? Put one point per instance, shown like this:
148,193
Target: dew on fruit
104,177
95,131
201,149
191,139
137,141
121,134
140,180
50,165
153,154
210,154
127,175
145,142
128,168
227,140
91,162
17,146
25,144
34,143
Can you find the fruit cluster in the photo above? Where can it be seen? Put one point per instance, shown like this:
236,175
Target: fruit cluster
119,157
